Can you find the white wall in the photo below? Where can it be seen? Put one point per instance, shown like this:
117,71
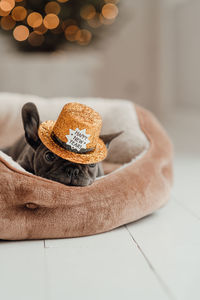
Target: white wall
187,30
123,64
150,55
179,73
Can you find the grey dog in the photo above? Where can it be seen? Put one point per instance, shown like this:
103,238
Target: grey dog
34,157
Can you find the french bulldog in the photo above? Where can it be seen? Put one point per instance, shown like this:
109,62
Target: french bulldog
34,157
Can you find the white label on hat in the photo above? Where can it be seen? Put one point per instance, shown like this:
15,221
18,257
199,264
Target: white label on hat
77,139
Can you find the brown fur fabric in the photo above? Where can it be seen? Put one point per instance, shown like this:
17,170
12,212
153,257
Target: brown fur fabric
36,208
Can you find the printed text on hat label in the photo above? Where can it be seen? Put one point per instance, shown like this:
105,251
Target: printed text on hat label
77,139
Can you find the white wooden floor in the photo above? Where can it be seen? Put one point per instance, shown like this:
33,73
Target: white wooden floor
157,257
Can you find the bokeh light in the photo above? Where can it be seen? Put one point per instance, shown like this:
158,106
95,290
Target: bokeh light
41,29
4,13
34,19
71,32
7,23
68,22
83,37
95,22
62,1
106,21
88,12
19,13
35,39
7,5
51,21
52,7
21,33
110,11
38,20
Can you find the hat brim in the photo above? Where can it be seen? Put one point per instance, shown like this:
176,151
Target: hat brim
92,157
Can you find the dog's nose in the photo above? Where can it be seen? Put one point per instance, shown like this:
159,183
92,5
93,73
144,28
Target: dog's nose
71,172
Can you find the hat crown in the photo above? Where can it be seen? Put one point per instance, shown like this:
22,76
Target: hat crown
80,119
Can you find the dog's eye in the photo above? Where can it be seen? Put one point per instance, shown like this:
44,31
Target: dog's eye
92,165
49,156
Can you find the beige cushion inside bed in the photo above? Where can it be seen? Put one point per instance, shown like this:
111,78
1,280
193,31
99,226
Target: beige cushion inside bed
117,115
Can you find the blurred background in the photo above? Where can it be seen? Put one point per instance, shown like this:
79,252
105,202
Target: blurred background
145,51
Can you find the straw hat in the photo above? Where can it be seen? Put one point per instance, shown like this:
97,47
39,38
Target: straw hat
75,134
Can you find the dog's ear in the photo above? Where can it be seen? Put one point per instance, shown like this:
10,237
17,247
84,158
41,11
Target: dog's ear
31,122
107,138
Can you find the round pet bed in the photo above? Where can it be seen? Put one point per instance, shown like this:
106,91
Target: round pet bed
138,180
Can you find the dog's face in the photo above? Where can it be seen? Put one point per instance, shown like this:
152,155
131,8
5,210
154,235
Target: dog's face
51,166
47,164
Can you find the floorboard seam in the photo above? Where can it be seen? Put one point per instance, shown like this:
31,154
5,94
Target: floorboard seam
162,283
